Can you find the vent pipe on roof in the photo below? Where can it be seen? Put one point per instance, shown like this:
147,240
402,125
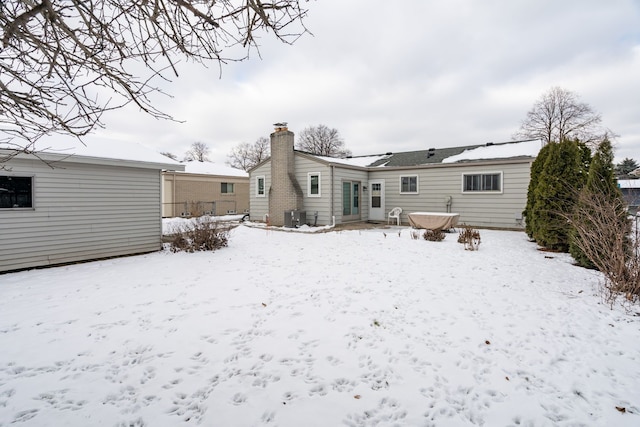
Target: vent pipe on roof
489,144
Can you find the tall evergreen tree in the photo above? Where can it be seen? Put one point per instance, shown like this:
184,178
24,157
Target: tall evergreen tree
536,169
555,195
602,172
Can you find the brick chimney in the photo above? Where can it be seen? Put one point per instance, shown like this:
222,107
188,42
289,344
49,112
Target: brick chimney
286,193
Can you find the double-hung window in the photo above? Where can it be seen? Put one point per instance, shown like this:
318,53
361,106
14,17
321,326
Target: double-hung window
482,182
313,184
409,184
16,192
260,192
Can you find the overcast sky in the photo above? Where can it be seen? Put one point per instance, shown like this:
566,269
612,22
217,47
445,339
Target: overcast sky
410,75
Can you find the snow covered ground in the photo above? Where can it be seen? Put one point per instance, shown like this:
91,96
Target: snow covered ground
350,328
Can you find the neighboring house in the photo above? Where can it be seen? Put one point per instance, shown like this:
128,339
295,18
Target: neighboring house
485,184
205,188
79,203
630,189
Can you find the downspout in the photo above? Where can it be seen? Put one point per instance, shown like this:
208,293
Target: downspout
333,190
173,196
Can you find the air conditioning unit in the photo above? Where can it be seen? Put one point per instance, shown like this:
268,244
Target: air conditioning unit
294,218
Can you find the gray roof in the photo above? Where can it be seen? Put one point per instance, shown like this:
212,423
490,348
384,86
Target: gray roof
421,157
512,150
430,156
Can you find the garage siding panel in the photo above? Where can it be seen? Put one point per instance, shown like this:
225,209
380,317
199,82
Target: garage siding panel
81,212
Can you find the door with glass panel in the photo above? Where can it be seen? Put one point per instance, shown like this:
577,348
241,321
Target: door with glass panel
376,200
350,200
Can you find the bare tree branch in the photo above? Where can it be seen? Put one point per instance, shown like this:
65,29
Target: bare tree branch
558,115
199,151
605,236
322,141
245,155
63,63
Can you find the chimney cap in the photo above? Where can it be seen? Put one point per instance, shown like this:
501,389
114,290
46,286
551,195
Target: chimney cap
280,126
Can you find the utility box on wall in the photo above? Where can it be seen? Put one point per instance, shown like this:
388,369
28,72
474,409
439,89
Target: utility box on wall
294,218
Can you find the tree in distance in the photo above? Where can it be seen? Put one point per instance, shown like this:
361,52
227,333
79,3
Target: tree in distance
245,156
199,151
626,166
63,64
322,141
559,115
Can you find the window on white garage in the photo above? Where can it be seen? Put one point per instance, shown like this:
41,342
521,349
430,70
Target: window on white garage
16,192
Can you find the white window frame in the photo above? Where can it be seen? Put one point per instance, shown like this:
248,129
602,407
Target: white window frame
309,193
482,173
264,186
417,184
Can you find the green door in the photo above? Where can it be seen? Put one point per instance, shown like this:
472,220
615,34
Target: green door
350,200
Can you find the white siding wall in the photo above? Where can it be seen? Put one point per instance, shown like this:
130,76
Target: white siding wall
321,204
478,209
81,212
259,206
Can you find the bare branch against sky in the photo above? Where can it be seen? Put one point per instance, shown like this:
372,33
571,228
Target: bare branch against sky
64,64
427,74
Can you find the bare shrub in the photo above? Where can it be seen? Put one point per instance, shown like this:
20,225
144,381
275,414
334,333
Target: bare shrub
470,237
436,235
604,234
200,234
195,208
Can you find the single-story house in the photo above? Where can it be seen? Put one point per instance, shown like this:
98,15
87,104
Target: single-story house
630,189
485,184
204,188
73,203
